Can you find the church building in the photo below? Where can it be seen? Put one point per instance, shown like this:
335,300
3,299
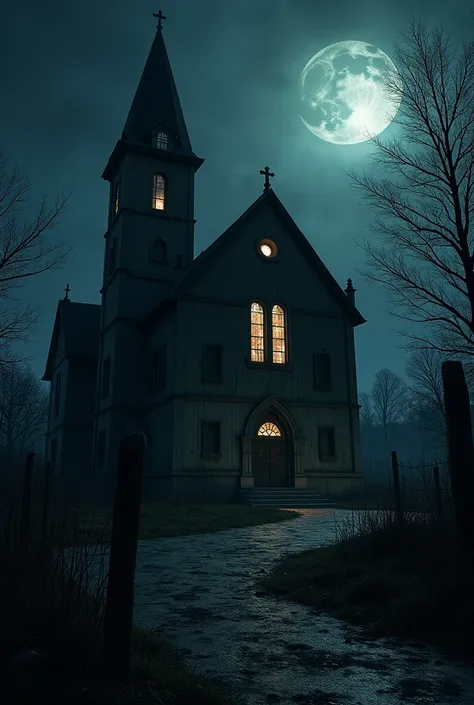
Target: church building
238,364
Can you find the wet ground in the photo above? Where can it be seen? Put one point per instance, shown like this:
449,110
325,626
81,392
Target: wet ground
200,590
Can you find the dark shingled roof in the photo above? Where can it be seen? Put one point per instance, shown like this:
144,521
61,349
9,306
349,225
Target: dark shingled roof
198,266
81,326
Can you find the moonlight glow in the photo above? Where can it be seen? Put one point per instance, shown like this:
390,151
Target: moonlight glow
343,99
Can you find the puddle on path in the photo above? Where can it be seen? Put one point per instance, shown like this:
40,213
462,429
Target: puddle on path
201,591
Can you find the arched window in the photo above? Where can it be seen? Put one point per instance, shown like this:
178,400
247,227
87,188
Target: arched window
161,140
278,334
158,251
269,429
159,185
257,333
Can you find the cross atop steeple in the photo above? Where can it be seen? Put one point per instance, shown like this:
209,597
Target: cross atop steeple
67,290
267,173
160,17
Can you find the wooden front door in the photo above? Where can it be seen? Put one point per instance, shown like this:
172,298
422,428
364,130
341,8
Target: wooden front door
269,462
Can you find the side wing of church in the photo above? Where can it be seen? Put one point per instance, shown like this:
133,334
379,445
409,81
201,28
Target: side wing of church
239,364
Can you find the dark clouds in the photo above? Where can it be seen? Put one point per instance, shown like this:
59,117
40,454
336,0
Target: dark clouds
69,74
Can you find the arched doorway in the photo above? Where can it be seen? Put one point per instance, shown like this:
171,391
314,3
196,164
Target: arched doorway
270,453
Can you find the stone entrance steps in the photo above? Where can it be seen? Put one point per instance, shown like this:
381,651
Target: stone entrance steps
284,498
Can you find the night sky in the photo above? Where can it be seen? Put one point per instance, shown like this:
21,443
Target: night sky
69,73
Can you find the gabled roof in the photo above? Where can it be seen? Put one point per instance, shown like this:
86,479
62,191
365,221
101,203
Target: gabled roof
267,198
81,326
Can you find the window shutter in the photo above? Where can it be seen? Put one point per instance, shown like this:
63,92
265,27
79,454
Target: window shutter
57,394
212,363
322,372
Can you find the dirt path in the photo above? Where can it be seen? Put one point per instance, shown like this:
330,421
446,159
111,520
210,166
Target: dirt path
200,590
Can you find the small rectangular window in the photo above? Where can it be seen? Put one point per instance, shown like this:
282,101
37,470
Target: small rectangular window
101,449
158,201
158,371
57,393
210,438
106,378
212,363
116,197
327,443
322,372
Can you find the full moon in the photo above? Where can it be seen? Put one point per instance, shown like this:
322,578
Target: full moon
342,97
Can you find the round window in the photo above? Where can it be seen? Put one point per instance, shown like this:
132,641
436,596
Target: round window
268,248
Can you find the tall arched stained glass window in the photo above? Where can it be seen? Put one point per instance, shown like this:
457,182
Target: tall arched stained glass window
257,333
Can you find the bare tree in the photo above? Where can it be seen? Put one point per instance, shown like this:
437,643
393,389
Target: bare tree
423,369
23,411
25,250
422,188
366,413
389,398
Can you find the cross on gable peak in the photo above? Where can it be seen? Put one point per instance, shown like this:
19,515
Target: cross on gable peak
160,16
67,290
267,173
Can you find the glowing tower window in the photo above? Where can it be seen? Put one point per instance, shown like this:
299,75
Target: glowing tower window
278,335
257,334
158,192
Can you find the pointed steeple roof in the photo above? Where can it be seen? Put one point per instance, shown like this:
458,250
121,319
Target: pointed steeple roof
156,102
155,105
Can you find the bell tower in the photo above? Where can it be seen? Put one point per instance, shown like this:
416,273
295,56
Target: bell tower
149,244
150,234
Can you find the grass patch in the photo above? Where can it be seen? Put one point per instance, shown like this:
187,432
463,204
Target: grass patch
399,580
164,521
52,597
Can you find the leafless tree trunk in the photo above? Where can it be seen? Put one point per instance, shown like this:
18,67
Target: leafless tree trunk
389,398
424,193
23,412
25,251
366,412
423,369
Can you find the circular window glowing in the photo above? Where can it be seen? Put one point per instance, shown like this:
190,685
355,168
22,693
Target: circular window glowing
268,248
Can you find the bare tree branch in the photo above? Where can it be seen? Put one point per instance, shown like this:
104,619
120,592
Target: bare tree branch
422,188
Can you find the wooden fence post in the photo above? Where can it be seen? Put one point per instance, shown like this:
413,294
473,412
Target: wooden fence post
460,453
118,616
26,495
439,498
396,488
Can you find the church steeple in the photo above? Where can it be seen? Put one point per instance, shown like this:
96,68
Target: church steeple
155,118
156,103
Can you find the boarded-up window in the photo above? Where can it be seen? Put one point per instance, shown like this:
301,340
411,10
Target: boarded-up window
322,372
158,251
327,443
212,363
158,369
106,377
210,438
57,393
101,449
257,333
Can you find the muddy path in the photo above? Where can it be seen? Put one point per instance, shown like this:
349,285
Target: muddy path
200,590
